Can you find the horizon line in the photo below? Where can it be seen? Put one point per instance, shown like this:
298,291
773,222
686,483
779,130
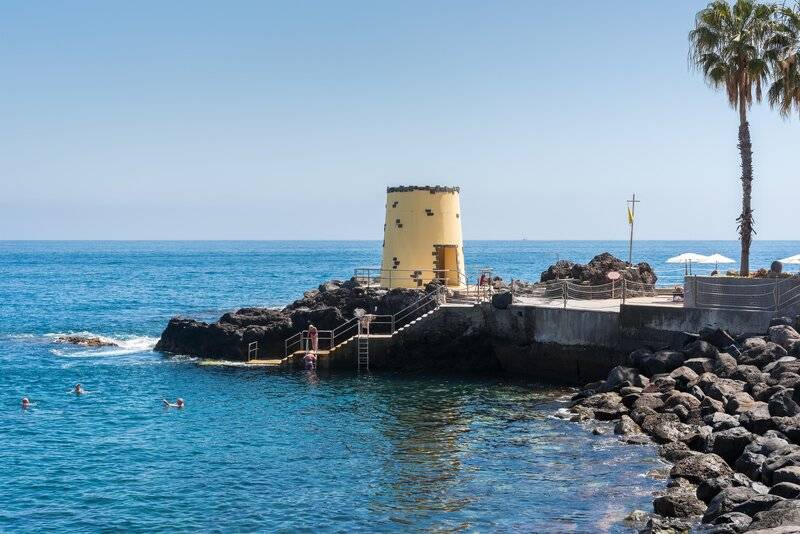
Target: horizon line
200,240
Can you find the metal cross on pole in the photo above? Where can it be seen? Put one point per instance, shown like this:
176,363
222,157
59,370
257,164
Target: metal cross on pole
631,216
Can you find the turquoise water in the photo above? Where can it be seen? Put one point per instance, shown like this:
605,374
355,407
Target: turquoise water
279,451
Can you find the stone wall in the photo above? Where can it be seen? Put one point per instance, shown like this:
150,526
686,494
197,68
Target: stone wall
554,344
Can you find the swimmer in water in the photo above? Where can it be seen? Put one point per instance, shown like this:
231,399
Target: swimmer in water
79,390
310,361
178,403
25,402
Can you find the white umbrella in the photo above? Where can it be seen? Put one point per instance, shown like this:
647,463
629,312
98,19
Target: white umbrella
716,259
687,258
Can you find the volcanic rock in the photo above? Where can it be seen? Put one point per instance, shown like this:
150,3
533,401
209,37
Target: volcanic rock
699,467
84,340
595,272
679,502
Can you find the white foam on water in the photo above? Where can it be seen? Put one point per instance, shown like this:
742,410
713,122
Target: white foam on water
222,363
122,345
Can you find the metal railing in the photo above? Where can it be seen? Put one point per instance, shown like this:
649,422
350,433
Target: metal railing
567,289
379,324
372,276
777,295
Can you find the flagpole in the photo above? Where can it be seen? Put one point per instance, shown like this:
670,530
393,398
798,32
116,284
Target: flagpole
631,219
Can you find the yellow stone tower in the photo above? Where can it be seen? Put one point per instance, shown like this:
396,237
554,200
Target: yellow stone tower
422,237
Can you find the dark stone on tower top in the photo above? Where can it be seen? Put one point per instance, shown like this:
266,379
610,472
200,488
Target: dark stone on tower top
430,188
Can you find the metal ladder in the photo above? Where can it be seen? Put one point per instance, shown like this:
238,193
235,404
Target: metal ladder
363,345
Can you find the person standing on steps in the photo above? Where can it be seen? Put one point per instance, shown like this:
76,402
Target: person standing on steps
313,335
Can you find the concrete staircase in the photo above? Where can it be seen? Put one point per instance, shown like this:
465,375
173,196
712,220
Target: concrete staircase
324,356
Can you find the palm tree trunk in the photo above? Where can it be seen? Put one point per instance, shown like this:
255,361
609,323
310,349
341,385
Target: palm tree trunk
746,218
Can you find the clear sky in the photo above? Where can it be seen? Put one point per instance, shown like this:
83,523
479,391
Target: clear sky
265,120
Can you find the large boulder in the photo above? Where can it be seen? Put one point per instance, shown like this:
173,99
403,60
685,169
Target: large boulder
720,421
787,457
739,403
699,467
732,522
663,361
674,451
750,374
717,337
783,514
788,426
726,501
725,365
721,389
700,365
784,335
621,376
684,378
787,474
750,464
757,418
701,349
762,356
679,502
729,444
502,300
782,404
666,427
649,400
626,426
558,271
757,504
636,358
787,490
606,406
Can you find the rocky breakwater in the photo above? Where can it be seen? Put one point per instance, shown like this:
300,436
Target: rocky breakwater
596,271
726,413
325,307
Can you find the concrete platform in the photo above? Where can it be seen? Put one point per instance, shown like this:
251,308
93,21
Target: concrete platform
264,363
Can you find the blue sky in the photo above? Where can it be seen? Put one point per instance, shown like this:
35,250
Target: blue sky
263,120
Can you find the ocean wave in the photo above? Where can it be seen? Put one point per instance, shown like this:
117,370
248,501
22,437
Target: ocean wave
117,346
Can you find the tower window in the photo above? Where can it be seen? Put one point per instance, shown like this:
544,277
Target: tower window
394,204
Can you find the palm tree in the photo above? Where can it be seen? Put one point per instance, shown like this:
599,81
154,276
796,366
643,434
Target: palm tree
729,44
784,93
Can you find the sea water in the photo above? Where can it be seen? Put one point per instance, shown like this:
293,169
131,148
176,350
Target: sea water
267,450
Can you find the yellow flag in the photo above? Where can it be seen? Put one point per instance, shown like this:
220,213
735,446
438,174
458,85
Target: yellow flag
630,215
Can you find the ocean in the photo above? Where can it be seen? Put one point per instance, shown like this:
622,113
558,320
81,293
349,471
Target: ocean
258,450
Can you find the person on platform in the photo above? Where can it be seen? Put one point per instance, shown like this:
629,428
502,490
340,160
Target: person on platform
313,335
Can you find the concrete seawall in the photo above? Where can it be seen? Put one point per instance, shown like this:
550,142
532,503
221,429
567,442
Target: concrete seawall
552,343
